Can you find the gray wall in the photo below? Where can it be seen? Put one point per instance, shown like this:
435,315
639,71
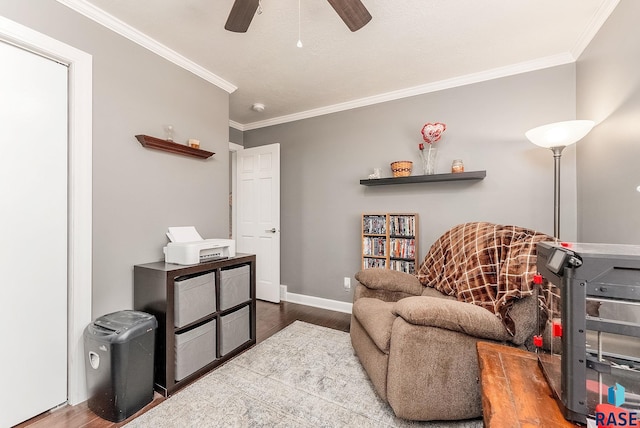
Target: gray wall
138,192
236,136
608,91
323,159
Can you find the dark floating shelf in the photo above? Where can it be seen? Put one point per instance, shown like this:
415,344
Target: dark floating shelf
171,147
459,176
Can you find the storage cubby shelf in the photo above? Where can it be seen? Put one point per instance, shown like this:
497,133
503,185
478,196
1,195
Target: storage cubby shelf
171,147
190,318
460,176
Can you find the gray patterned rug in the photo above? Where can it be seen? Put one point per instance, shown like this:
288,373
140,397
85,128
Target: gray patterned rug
303,376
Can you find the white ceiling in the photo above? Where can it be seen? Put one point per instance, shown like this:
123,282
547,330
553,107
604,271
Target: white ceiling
409,47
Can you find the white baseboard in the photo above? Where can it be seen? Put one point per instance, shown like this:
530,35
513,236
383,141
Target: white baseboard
316,302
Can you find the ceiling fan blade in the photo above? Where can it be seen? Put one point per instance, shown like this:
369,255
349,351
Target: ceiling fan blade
241,14
352,12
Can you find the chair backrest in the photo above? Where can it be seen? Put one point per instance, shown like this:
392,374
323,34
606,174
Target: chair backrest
486,264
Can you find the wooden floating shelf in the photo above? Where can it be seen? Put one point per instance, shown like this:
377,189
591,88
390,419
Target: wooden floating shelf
459,176
171,147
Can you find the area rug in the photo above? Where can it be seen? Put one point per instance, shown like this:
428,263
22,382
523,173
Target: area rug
303,376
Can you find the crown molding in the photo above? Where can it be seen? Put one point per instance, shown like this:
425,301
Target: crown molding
599,18
483,76
236,125
109,21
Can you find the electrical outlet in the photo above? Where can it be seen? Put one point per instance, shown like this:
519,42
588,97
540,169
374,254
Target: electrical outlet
347,283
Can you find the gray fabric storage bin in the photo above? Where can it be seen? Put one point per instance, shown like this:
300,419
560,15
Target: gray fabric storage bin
235,330
195,349
195,298
234,286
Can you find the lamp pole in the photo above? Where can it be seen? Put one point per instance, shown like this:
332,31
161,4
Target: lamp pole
557,154
557,136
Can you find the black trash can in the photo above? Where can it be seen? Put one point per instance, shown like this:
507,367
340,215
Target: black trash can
119,363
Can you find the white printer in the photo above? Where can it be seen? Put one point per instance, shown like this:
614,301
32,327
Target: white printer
192,253
188,247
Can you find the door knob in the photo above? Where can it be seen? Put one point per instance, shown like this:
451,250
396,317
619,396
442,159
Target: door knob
272,230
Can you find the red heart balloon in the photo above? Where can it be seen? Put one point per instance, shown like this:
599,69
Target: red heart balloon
432,132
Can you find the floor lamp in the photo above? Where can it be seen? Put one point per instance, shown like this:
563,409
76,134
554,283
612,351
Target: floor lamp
557,136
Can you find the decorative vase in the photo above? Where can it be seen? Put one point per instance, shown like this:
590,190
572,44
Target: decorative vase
429,160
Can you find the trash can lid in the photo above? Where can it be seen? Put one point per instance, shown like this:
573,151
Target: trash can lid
121,321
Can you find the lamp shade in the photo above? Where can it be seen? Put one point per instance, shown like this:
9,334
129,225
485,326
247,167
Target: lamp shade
559,134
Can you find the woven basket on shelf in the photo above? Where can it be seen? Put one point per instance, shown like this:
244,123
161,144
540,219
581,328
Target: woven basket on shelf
401,168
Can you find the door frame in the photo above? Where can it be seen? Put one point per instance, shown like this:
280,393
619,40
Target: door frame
233,157
79,193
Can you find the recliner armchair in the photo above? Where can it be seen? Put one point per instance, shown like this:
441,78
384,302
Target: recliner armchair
416,335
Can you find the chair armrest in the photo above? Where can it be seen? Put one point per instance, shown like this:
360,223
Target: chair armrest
451,315
389,280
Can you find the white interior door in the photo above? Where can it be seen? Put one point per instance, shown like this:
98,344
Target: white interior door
33,254
258,215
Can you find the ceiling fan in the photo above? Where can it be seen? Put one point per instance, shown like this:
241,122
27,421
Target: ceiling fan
352,12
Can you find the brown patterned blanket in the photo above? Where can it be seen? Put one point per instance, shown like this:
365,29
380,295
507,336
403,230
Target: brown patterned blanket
486,264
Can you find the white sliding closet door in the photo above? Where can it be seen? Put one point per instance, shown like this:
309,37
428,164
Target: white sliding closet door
33,224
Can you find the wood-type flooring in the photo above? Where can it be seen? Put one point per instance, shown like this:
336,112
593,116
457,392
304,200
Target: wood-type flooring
270,318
